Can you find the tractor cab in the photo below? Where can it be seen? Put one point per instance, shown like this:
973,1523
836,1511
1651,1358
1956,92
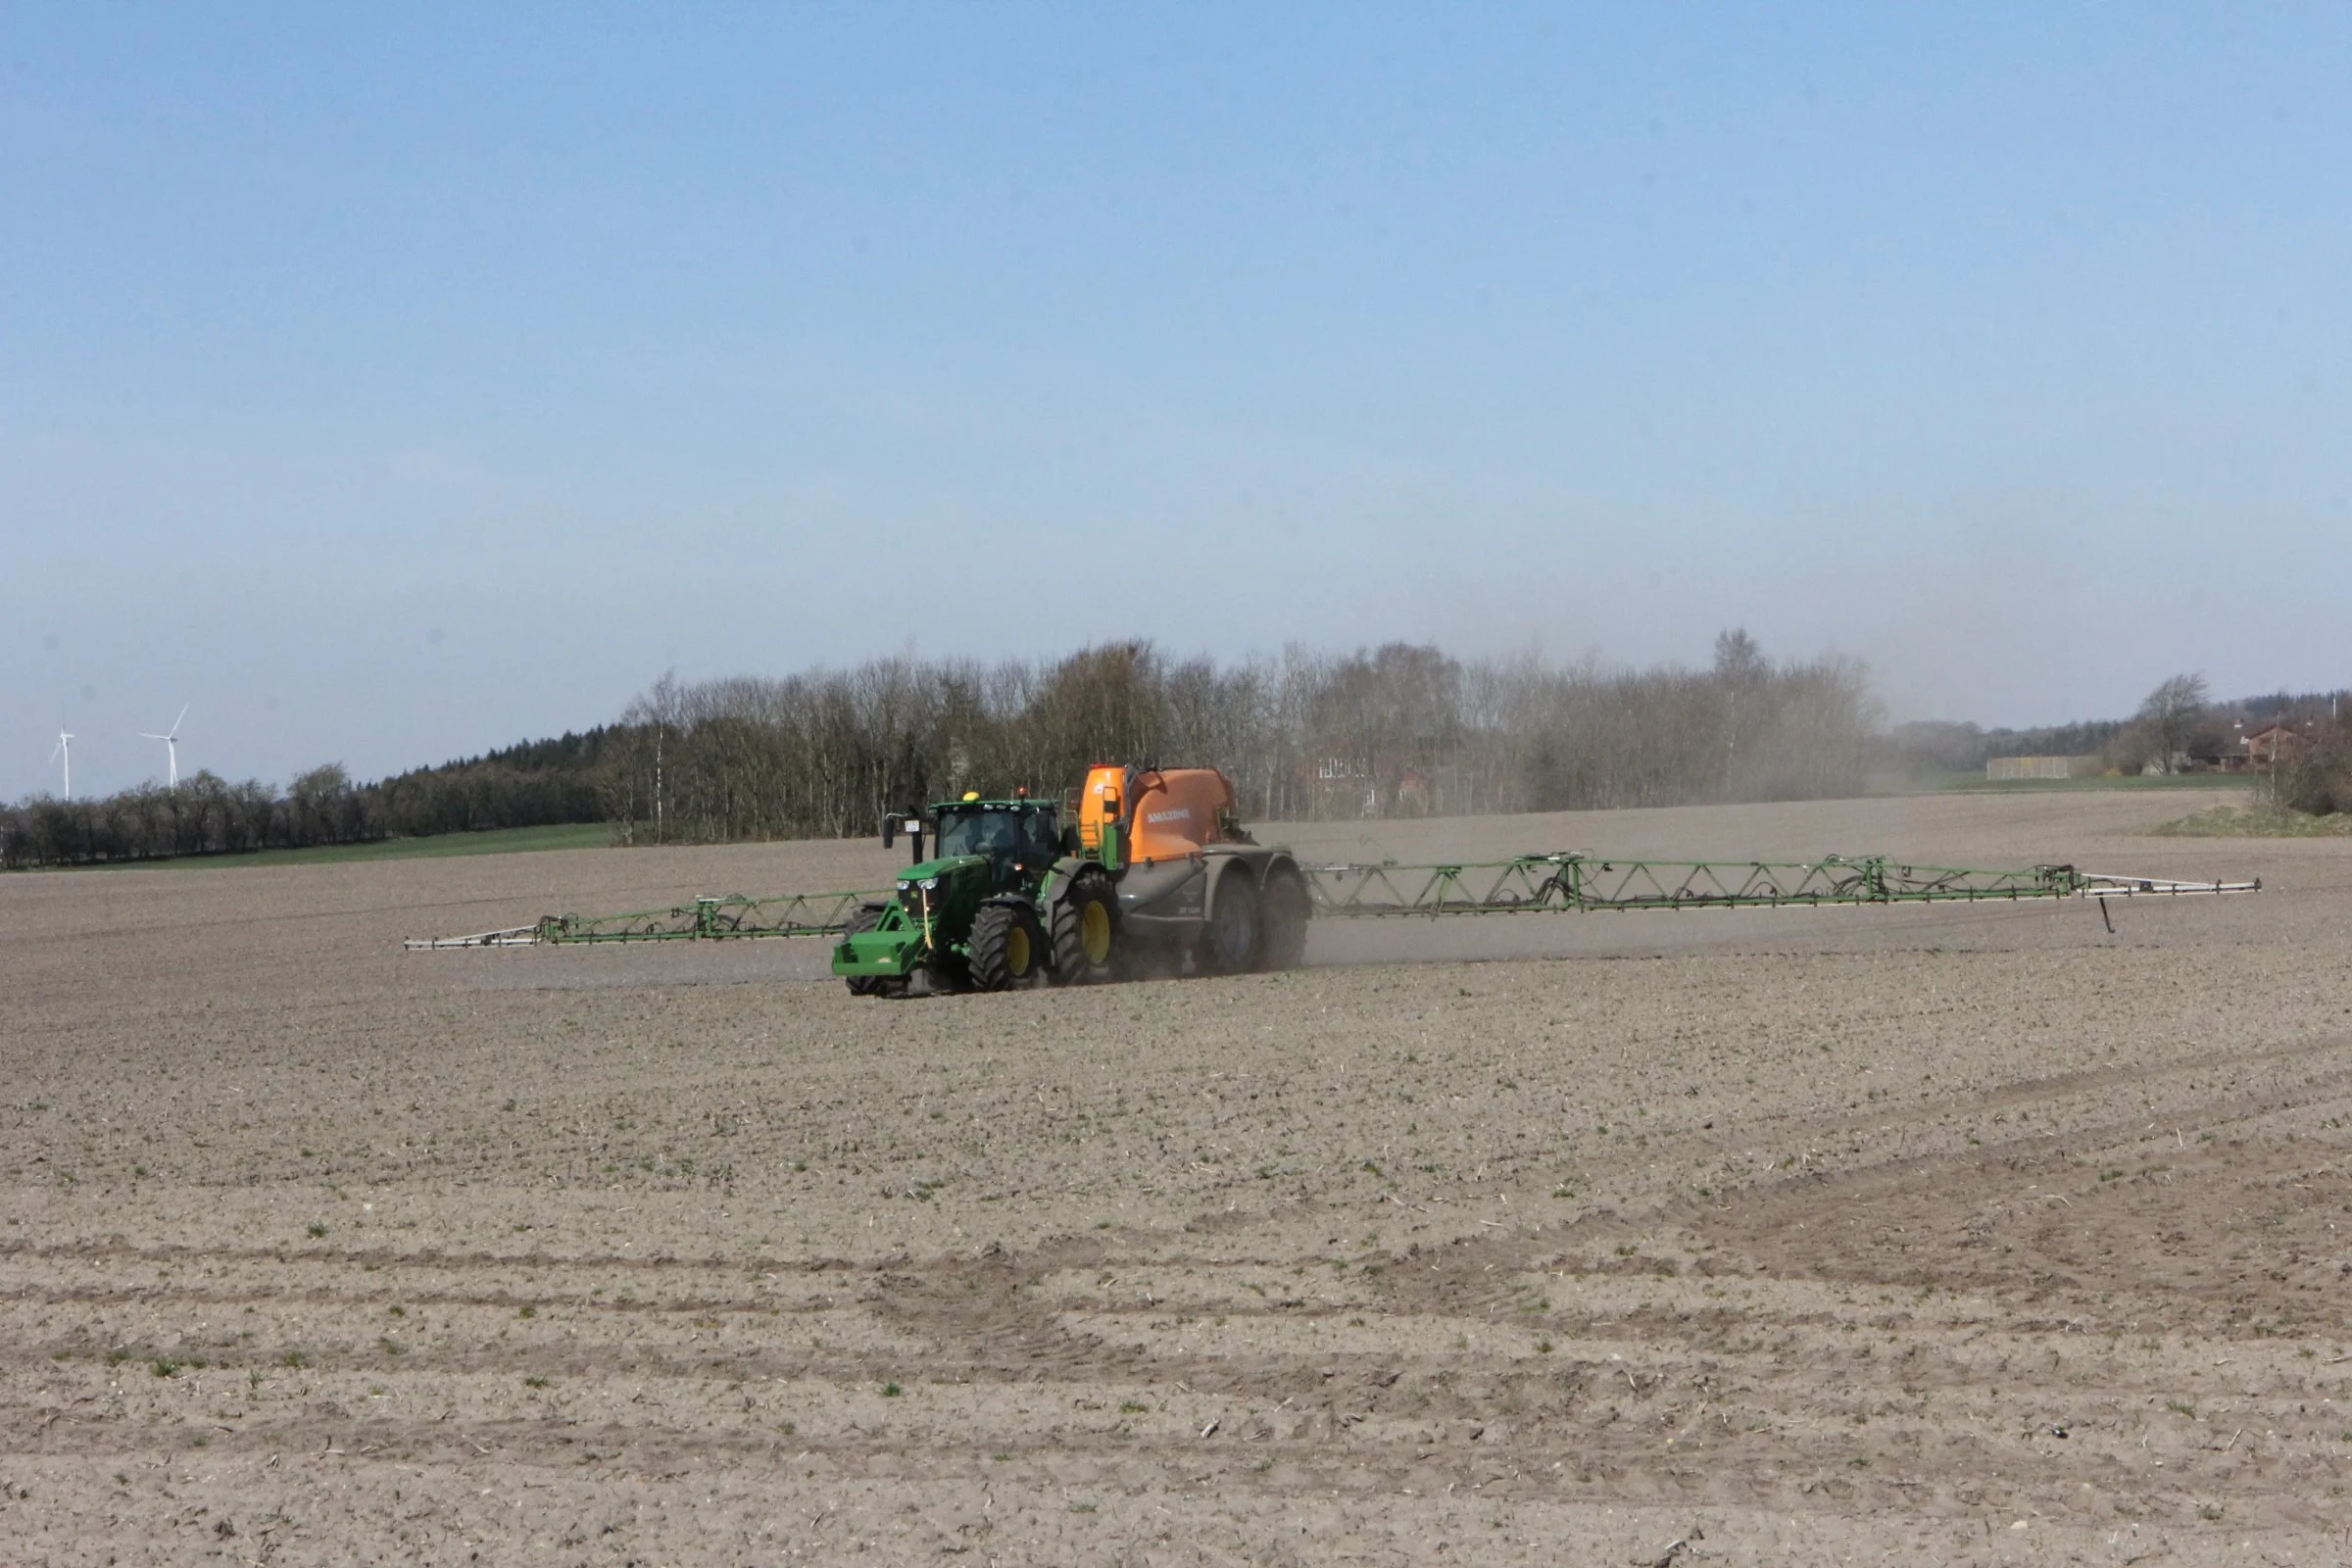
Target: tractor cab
1021,838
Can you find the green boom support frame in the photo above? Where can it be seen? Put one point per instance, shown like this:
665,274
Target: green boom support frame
1560,883
1579,882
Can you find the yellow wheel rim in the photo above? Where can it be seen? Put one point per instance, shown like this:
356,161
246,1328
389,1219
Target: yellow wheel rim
1094,931
1016,952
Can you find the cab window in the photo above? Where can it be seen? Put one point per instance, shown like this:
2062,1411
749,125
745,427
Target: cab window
1041,840
1009,833
967,833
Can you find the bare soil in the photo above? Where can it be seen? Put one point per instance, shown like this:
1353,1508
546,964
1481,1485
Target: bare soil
1957,1234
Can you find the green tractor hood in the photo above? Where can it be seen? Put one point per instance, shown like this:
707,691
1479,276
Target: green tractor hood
933,902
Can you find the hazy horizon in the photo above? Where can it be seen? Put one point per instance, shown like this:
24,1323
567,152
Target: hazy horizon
394,387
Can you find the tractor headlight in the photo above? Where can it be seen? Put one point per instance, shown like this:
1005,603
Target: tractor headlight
930,884
904,886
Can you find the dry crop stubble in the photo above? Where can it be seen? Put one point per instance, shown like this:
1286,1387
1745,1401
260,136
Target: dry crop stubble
1820,1232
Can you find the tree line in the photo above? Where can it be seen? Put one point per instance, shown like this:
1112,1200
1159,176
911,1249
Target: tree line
2178,727
534,784
206,814
1936,746
530,785
1401,730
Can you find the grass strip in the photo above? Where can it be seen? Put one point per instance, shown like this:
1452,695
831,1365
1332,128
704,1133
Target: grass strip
2257,821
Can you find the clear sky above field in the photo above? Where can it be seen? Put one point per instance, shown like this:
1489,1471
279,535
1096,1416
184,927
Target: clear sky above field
392,384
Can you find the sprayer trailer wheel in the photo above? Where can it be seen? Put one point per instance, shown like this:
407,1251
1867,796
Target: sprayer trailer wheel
1283,913
1230,944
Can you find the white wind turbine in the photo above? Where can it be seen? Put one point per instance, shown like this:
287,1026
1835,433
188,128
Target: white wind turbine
65,749
171,743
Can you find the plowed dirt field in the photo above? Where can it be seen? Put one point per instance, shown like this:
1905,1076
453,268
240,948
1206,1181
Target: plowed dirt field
1964,1235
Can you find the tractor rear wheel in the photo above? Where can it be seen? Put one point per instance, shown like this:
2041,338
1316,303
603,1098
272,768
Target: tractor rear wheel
1083,928
1230,944
865,917
1282,915
1008,949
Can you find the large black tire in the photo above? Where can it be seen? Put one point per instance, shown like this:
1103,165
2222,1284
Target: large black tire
865,917
1008,949
1229,946
1085,925
1282,911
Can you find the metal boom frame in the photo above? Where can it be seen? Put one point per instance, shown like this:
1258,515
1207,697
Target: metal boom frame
1559,883
1579,882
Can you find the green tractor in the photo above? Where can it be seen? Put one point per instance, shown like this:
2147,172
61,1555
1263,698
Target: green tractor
1140,870
1001,903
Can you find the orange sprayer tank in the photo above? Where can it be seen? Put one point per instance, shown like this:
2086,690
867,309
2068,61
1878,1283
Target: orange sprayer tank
1161,814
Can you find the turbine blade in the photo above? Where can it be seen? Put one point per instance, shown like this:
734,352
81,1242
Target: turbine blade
176,723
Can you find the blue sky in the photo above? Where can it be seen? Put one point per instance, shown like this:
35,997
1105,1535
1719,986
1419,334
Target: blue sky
394,383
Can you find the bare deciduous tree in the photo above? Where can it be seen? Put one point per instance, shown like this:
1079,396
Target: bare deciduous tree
1402,730
2167,717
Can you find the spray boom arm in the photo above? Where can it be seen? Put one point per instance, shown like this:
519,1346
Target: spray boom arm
1560,883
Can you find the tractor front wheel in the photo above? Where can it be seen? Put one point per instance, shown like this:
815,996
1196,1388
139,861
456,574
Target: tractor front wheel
1083,928
1008,949
865,917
